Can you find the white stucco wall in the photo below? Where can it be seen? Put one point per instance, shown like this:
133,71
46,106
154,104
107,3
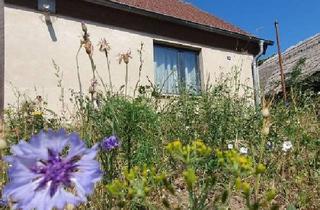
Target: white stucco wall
29,51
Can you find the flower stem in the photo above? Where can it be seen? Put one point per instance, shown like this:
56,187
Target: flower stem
126,82
109,71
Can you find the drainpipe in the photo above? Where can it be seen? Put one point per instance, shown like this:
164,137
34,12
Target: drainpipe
255,73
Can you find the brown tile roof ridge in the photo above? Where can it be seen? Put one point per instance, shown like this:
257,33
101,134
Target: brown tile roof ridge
184,11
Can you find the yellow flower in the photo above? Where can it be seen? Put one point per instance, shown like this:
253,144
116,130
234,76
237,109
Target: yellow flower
174,146
116,187
177,144
37,113
238,183
245,187
132,174
201,148
271,194
243,160
219,154
260,168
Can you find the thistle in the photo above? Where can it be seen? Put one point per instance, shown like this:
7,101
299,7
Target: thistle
104,46
51,171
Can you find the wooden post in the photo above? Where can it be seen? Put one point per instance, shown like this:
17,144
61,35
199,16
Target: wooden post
283,83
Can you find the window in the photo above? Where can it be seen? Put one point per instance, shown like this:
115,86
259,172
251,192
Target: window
47,5
176,69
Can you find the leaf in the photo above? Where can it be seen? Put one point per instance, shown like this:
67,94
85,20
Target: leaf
291,207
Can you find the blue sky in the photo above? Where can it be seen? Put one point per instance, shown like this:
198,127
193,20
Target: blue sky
298,19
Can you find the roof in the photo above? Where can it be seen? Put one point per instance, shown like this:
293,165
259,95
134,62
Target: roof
308,49
183,11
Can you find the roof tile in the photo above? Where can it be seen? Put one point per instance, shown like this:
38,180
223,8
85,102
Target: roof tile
184,11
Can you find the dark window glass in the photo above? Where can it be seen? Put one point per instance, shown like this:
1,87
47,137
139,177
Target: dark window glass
176,69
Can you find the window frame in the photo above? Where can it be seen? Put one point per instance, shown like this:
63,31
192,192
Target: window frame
180,49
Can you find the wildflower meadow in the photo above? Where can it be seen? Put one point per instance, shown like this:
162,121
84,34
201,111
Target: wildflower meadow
200,150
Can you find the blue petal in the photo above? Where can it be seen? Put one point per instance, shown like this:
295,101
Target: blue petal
39,201
77,147
52,140
63,198
90,154
19,174
89,173
19,192
24,149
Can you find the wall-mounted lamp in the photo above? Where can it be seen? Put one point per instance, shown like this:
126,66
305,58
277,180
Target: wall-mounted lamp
48,7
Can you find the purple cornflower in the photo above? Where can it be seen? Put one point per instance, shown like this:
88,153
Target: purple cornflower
52,170
3,203
110,143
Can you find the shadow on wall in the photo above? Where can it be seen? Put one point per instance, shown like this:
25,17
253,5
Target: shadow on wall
51,30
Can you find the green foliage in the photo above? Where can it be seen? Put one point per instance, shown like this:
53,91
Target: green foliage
136,188
135,122
28,118
154,170
211,179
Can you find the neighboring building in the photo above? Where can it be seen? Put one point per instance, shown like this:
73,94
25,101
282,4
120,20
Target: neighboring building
181,43
308,50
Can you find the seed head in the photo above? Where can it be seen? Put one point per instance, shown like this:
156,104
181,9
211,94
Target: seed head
265,130
3,144
104,46
125,57
84,27
265,112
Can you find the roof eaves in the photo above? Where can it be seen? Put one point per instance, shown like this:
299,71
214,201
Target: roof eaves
128,8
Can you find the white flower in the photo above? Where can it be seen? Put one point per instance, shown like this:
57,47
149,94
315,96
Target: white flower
230,146
243,150
3,144
286,146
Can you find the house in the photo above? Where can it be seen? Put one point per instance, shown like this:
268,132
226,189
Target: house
307,50
182,45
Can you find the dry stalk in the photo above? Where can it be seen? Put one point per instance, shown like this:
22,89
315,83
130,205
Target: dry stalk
125,57
140,51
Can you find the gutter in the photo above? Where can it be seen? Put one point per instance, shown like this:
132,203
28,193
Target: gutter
256,77
175,20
